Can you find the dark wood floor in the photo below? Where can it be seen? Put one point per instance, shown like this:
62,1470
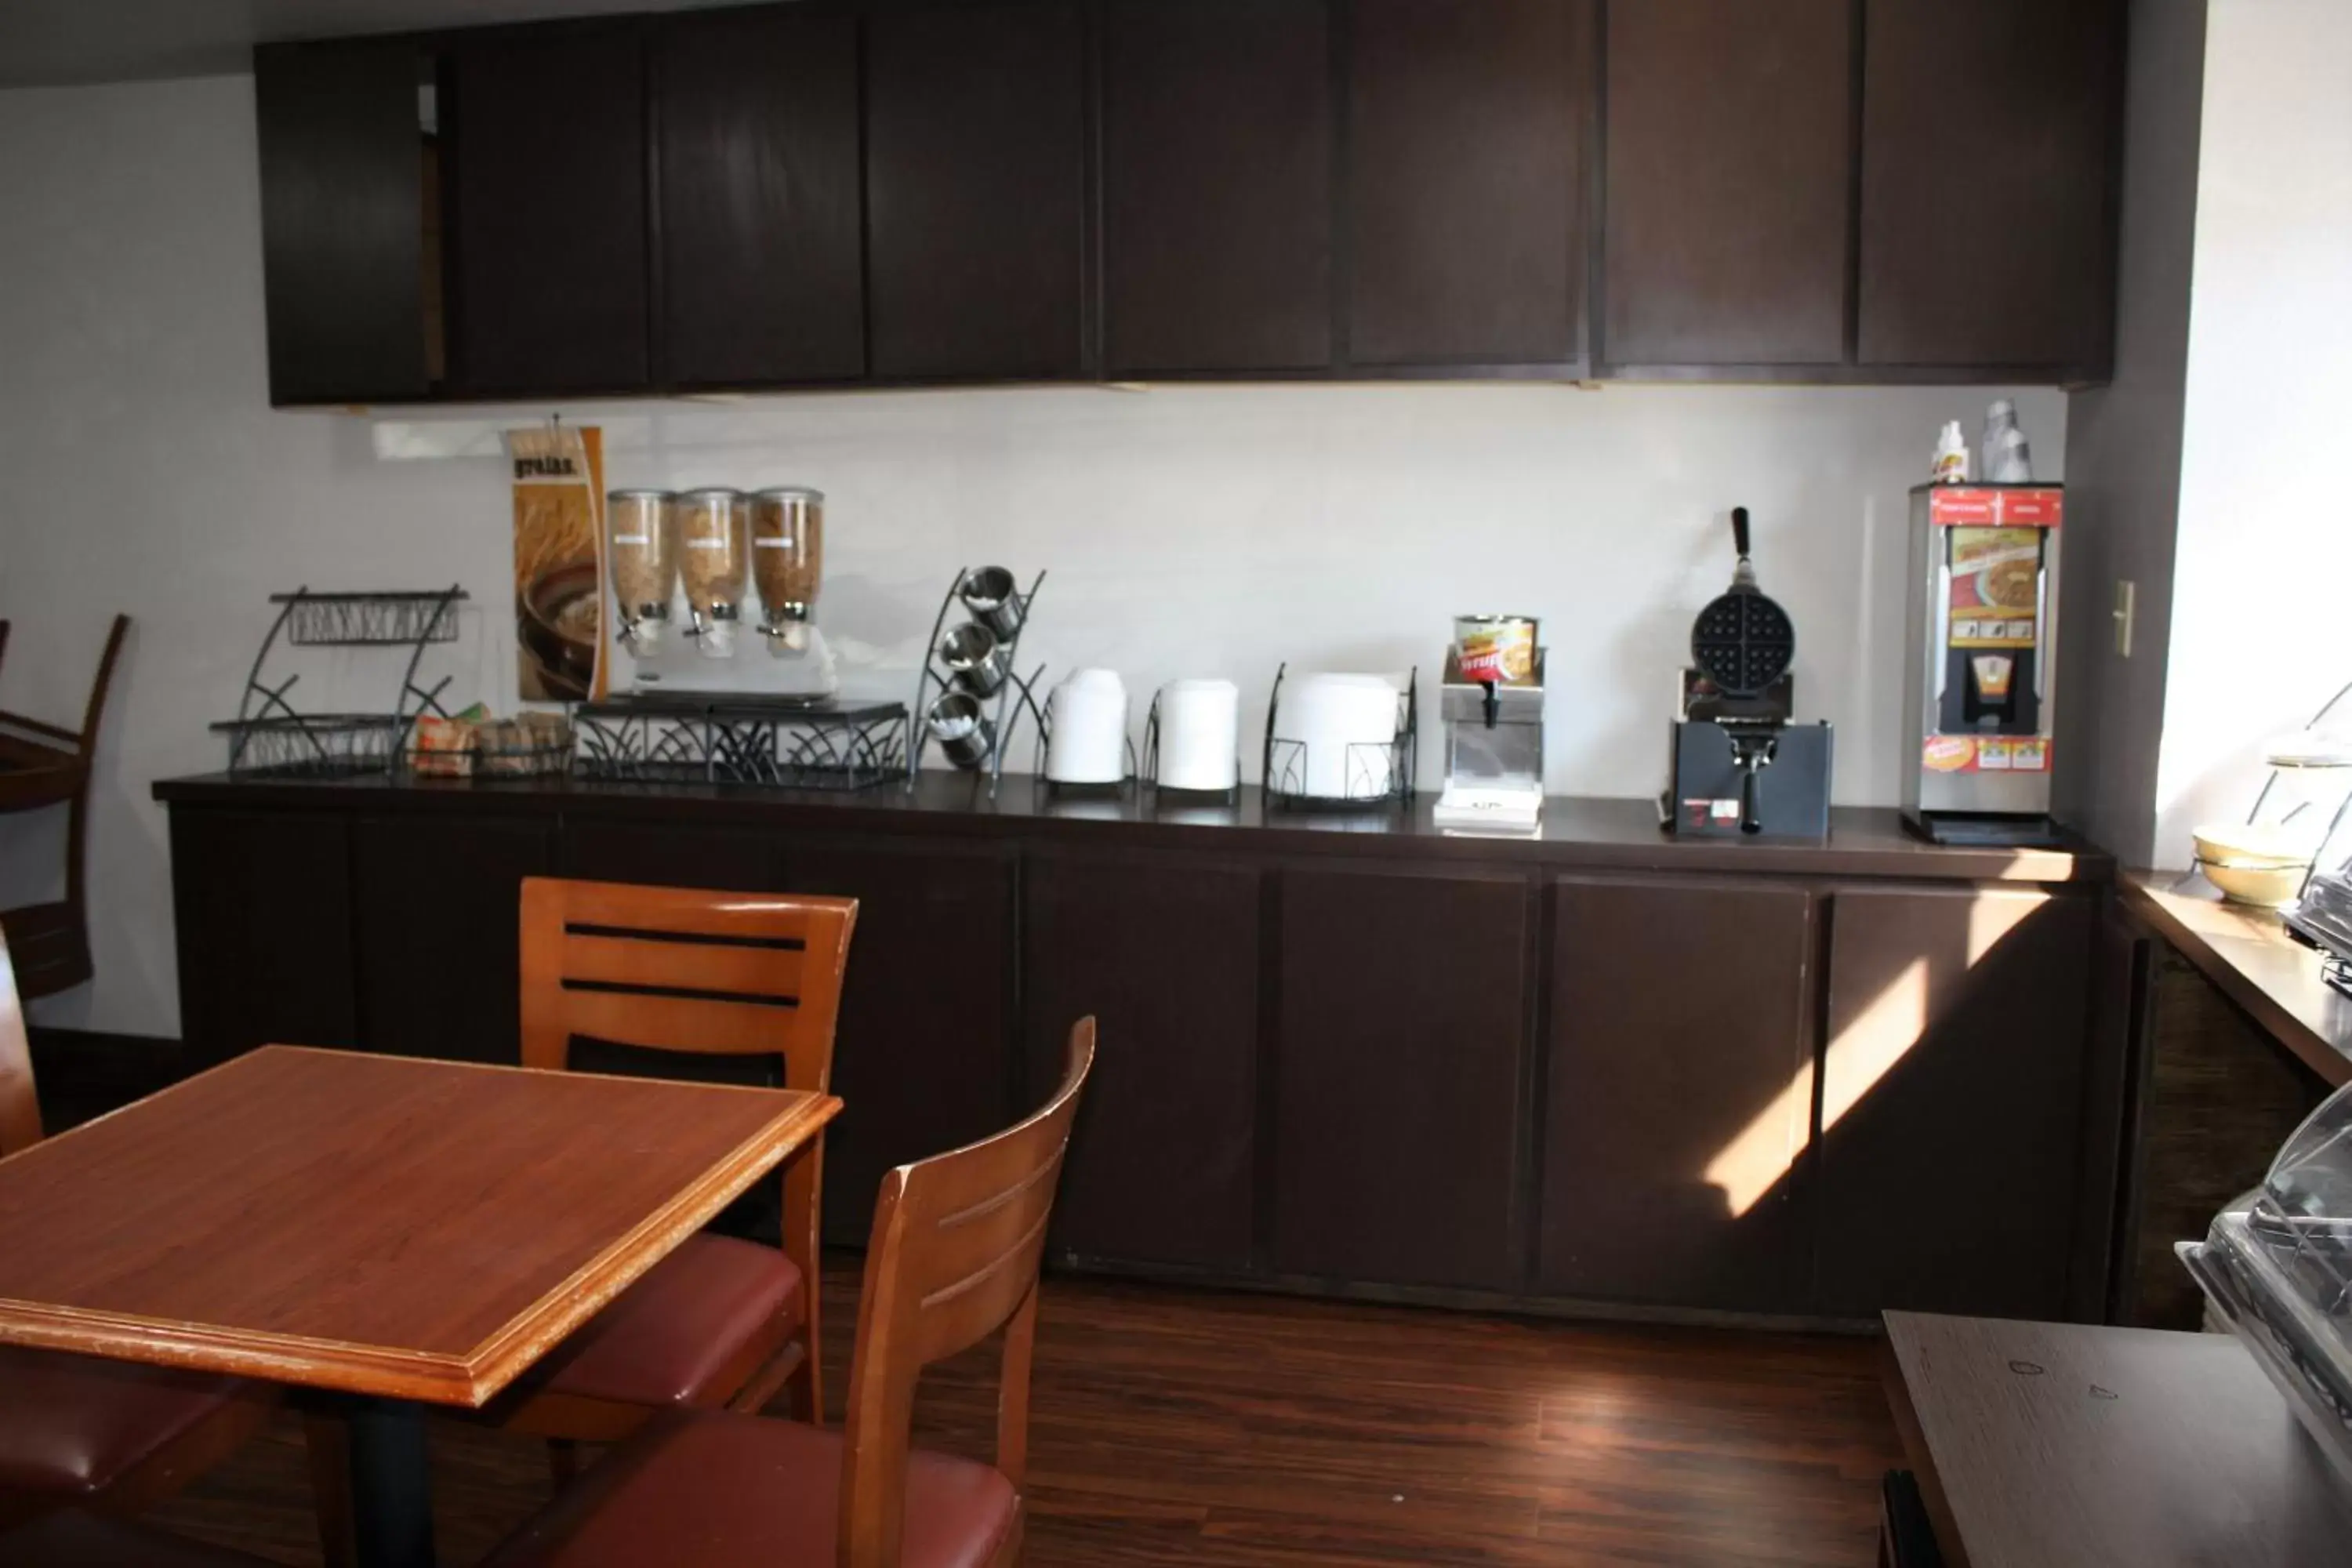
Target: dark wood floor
1241,1431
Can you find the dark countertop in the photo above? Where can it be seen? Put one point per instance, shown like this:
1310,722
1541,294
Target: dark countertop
1578,831
2257,963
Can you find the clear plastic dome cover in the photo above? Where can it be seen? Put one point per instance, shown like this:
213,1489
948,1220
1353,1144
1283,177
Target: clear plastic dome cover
2277,1264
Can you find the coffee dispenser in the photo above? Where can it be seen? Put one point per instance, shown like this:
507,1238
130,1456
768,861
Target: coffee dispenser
1980,697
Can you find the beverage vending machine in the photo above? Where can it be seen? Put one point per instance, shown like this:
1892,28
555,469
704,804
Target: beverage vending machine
1980,702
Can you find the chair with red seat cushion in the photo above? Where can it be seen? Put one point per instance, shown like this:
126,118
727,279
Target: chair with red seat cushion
82,1429
719,1321
954,1258
675,969
78,1426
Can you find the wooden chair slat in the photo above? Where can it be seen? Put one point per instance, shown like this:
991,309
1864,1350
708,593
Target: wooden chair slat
679,1024
620,905
683,965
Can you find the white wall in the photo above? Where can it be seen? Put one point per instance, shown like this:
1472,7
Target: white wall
1188,531
2264,551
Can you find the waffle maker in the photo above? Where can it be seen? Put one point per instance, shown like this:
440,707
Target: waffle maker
1740,763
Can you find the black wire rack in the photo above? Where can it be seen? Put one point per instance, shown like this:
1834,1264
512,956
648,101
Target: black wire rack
269,735
1374,772
981,747
780,743
368,620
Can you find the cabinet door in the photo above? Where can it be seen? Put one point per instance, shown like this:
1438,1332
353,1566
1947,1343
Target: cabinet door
760,244
1163,953
548,209
923,1058
1951,1098
261,903
1989,182
342,220
1679,1093
975,186
1403,1014
667,854
1729,168
439,921
1464,180
1217,152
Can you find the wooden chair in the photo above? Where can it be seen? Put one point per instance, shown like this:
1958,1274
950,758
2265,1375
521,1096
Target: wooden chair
954,1258
83,1430
719,1321
47,764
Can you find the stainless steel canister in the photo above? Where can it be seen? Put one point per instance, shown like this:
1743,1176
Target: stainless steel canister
974,656
963,731
994,599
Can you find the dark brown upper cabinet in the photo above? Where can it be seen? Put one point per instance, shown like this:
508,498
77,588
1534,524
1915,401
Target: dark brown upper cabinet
1730,172
1217,132
344,215
975,191
761,220
1464,190
1989,184
548,208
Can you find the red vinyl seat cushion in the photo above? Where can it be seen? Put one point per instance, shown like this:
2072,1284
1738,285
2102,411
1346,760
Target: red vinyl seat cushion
74,1539
711,1486
76,1423
663,1339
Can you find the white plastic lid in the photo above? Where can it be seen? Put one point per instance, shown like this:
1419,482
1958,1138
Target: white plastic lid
2310,749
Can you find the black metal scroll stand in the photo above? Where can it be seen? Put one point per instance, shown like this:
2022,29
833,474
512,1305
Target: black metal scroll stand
1285,763
1015,695
268,732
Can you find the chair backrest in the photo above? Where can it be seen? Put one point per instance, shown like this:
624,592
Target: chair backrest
680,969
20,1107
95,708
953,1256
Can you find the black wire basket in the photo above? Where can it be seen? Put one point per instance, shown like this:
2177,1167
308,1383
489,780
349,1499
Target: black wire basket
364,620
314,746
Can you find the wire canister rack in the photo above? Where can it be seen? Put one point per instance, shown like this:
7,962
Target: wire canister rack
970,695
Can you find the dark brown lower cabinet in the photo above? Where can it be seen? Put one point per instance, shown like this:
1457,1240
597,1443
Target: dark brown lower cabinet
1400,1069
734,859
1952,1078
1162,951
1679,1093
1396,1127
436,919
922,1062
262,903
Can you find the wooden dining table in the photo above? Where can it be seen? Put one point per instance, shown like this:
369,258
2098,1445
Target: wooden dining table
398,1233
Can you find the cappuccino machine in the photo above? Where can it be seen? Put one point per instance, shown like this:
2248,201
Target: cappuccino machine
1978,705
